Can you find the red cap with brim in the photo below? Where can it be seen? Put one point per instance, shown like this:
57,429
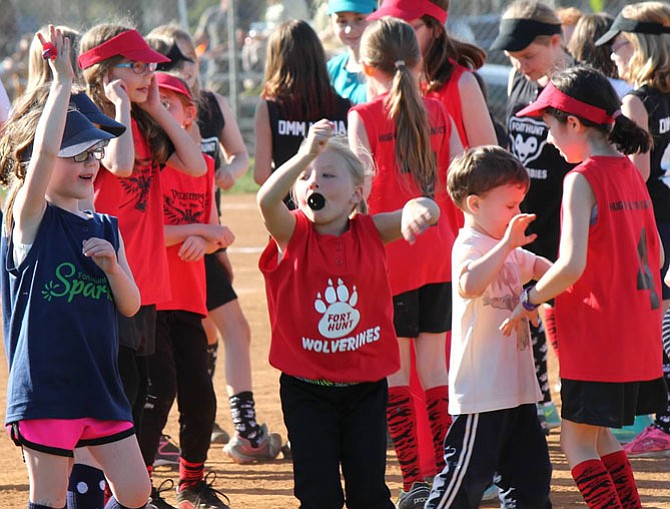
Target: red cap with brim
129,44
409,9
551,97
170,82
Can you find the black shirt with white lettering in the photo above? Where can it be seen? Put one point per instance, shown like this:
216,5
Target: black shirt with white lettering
657,105
545,165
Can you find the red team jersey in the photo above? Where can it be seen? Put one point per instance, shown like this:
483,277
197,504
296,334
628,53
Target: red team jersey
428,260
186,200
330,304
609,322
138,204
451,98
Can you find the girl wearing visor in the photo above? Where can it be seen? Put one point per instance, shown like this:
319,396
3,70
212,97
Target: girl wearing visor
608,273
64,279
530,34
118,66
640,38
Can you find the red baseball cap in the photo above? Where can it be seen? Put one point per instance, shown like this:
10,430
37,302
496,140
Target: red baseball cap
409,9
170,82
129,44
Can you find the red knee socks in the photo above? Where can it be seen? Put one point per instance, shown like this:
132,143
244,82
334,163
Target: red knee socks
620,471
595,485
437,403
401,419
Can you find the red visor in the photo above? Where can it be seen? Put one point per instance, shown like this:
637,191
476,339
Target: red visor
129,44
409,9
551,97
169,82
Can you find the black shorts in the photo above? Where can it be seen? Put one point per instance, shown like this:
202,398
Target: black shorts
611,405
426,309
138,332
219,289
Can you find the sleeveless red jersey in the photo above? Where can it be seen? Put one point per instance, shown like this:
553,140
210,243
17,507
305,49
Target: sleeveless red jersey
429,259
138,203
330,304
609,321
451,98
186,200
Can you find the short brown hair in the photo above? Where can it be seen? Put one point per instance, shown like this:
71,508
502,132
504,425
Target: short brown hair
480,169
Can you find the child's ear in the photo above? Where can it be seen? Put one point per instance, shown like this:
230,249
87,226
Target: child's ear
368,70
190,113
574,123
357,195
472,203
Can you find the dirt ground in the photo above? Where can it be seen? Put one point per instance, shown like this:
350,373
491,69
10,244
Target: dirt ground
269,485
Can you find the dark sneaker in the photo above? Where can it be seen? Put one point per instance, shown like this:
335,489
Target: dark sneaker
219,435
202,496
167,453
156,501
415,498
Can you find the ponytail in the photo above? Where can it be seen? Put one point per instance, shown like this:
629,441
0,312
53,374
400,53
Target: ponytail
413,151
628,137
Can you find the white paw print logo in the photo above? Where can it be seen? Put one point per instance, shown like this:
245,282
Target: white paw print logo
339,316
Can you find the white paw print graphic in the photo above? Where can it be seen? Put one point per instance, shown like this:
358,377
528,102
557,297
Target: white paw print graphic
339,316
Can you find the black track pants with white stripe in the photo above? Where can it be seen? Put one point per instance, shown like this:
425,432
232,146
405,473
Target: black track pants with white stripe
507,446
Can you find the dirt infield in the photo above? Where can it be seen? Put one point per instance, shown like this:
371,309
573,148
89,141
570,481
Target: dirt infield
269,485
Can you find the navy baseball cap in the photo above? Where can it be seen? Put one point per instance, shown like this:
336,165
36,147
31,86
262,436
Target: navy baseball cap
90,110
80,134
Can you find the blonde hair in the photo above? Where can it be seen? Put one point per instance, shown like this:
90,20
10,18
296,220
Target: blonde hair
161,146
650,63
39,71
536,11
390,45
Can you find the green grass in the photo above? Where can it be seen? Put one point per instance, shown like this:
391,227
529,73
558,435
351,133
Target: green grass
245,184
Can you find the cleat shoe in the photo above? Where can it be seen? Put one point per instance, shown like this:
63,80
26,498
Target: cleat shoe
202,496
551,415
167,453
415,498
628,433
651,443
156,501
241,451
219,435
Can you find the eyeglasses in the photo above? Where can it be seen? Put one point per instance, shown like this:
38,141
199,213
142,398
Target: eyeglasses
95,153
617,46
139,67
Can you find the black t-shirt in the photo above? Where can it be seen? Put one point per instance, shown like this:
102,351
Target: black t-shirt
657,105
545,165
211,123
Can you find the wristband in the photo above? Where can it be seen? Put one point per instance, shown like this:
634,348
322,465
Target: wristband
49,51
525,299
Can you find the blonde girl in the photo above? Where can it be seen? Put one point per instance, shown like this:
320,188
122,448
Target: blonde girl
72,397
331,262
640,37
411,140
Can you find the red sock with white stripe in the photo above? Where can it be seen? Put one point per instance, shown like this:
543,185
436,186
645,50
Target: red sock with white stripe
401,418
437,404
618,466
595,485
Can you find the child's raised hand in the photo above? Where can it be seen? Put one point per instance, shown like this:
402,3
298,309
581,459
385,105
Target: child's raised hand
317,137
102,253
57,53
515,235
116,92
153,101
417,215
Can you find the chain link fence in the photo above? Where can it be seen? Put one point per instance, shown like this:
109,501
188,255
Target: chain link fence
233,48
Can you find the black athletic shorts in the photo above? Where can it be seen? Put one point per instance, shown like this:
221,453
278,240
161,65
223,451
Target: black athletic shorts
426,309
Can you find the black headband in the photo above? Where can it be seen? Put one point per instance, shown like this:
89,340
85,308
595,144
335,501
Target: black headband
176,57
518,33
622,24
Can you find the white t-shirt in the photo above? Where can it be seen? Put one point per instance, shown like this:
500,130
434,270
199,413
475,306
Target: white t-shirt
489,371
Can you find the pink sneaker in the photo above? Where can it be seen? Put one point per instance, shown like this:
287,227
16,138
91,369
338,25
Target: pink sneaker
650,443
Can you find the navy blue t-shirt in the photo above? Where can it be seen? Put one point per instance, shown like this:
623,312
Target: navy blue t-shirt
59,324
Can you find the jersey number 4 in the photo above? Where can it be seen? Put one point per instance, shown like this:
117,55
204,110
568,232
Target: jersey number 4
645,278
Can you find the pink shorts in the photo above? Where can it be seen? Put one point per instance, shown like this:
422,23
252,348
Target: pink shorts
62,436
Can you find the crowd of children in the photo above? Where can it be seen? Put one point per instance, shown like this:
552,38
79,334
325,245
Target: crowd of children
401,239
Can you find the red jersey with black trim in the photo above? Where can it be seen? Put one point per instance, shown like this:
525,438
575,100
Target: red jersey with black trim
186,200
330,305
428,260
450,96
138,204
609,321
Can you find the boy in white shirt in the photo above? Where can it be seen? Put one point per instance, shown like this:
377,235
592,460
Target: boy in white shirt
492,384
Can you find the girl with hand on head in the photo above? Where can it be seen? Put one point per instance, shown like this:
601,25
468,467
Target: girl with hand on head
411,140
608,231
640,37
73,397
330,259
